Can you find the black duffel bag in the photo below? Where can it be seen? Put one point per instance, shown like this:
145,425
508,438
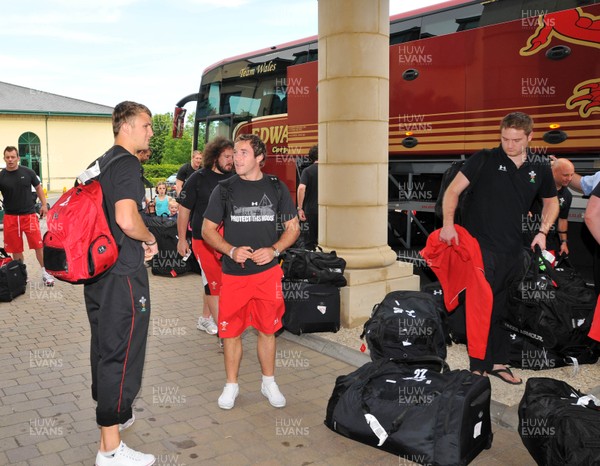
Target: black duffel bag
559,425
548,308
406,325
13,277
314,267
412,410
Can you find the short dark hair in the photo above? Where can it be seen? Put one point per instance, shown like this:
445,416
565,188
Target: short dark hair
313,153
518,120
258,146
125,112
11,149
213,150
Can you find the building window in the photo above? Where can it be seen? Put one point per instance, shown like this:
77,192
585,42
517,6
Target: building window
30,152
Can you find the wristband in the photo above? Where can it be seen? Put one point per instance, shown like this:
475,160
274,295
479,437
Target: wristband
563,232
300,208
231,252
563,240
542,232
150,244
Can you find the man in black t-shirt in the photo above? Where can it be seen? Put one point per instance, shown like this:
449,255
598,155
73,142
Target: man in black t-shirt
507,182
251,293
186,170
308,199
118,304
562,172
193,199
20,218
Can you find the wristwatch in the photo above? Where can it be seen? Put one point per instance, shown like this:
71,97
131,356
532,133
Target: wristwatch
275,252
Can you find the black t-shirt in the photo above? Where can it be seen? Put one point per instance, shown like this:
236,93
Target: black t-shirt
501,198
184,172
123,180
195,194
252,221
564,202
16,190
310,178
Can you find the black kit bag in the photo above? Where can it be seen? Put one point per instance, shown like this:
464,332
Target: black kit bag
526,354
412,410
13,277
549,309
310,307
454,322
559,425
406,325
314,266
167,261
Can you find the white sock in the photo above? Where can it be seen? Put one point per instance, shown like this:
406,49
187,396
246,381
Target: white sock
268,380
231,384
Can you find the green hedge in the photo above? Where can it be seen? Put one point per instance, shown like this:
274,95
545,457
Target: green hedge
160,172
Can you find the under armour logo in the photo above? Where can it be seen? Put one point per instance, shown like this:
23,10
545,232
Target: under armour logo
502,168
513,336
255,203
436,292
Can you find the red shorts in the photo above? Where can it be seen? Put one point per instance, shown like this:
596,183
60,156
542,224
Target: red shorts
210,265
251,300
15,226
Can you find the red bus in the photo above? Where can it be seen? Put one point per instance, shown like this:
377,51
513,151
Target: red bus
456,69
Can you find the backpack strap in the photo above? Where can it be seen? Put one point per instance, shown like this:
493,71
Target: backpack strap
226,197
96,168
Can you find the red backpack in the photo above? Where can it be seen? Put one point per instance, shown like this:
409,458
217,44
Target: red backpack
79,246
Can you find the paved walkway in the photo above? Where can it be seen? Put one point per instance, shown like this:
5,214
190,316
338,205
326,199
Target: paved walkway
47,416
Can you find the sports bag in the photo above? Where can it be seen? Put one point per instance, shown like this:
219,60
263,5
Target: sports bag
526,354
406,325
547,308
314,267
13,277
559,425
79,246
412,410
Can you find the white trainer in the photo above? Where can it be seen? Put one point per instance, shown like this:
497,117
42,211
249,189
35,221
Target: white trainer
125,456
273,394
207,324
227,398
47,278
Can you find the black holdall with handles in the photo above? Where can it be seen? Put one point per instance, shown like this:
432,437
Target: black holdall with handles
548,308
410,409
13,277
558,424
313,266
310,307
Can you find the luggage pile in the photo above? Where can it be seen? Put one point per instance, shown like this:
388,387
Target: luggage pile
550,315
407,401
311,290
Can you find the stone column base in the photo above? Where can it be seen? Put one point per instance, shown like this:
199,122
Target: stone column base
367,287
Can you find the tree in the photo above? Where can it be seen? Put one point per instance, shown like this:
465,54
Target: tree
165,149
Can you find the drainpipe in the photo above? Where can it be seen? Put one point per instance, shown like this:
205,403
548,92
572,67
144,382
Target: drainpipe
47,156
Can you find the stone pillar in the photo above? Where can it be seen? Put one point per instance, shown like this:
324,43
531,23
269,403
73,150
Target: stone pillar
353,151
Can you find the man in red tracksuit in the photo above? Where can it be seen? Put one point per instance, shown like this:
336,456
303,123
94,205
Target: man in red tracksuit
508,180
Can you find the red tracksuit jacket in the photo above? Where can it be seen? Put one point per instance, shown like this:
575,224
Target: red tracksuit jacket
459,268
